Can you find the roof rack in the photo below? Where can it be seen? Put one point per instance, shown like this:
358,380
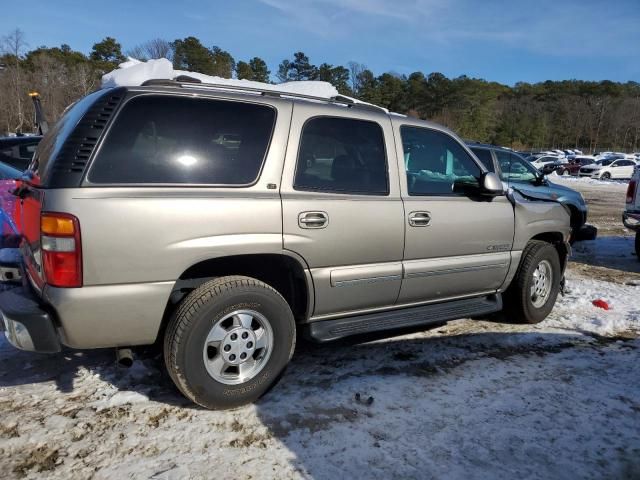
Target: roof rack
186,81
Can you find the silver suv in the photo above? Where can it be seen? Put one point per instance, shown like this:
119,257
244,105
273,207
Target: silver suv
317,215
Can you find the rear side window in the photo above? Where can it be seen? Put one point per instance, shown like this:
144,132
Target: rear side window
484,156
342,155
183,140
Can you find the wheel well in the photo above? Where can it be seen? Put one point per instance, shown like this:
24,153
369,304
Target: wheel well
281,272
555,239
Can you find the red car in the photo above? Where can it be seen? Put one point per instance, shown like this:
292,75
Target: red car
573,167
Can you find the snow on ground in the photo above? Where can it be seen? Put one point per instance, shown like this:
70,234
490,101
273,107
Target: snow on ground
134,72
472,399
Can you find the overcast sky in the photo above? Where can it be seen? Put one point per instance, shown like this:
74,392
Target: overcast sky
505,41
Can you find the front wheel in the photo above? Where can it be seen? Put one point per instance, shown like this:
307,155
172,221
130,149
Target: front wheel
533,292
229,342
605,176
638,244
566,173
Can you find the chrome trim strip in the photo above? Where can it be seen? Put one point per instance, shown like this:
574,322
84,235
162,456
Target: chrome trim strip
430,273
358,281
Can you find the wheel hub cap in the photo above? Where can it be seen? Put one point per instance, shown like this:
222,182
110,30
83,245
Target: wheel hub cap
541,284
238,347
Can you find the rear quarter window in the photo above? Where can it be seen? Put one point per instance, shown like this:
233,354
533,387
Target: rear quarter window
159,139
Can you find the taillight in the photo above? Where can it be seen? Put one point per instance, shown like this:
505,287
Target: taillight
631,191
61,249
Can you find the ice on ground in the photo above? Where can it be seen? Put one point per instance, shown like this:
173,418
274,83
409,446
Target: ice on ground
134,72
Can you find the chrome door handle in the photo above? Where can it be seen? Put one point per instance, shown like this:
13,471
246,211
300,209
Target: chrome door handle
313,220
419,219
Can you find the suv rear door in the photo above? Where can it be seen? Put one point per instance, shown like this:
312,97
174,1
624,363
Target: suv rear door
455,245
341,206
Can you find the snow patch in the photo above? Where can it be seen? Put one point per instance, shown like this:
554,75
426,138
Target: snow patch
134,73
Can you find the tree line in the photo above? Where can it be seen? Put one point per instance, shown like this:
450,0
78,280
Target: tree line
589,115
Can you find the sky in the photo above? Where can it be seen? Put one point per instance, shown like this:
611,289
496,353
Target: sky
505,41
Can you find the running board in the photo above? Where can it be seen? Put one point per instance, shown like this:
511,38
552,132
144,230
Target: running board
327,330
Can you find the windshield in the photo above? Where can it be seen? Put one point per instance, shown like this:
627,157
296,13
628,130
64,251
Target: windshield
606,162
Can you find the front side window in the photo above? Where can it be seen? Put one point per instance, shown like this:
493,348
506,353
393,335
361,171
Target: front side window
484,156
435,162
182,140
342,155
515,169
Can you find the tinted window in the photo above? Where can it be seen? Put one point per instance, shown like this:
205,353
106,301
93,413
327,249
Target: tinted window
162,139
342,155
434,162
514,168
52,142
27,150
484,156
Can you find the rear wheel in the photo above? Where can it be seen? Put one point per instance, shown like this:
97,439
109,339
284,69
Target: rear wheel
533,292
229,342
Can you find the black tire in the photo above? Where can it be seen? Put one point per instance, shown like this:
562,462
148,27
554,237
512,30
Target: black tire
195,317
638,245
605,176
518,302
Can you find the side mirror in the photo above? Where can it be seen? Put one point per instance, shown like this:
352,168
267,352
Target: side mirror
491,185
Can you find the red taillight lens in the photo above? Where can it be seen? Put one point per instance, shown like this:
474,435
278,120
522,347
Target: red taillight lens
61,249
631,191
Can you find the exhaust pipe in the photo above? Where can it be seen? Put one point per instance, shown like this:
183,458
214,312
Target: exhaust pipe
124,357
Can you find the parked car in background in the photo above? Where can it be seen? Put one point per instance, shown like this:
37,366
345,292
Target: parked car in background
609,168
540,162
574,165
631,214
18,151
519,174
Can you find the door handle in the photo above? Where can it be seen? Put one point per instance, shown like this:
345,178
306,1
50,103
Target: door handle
419,219
313,220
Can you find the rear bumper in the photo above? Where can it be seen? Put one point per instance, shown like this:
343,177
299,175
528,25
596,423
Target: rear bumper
27,325
631,220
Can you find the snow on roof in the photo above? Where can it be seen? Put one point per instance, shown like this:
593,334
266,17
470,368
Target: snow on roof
134,73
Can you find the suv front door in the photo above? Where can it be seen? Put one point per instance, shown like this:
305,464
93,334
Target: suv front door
341,206
455,245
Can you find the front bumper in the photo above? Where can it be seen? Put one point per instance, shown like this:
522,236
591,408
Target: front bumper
27,325
585,232
631,220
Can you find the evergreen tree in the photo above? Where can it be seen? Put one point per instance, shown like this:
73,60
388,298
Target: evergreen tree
190,54
107,54
223,63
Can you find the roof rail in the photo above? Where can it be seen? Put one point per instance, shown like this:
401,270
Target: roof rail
185,81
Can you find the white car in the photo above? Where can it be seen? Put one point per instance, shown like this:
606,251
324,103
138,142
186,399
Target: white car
608,168
540,162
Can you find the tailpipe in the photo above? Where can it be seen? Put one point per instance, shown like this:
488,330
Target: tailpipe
124,357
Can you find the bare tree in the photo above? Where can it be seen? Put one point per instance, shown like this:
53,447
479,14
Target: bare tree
355,72
152,49
12,46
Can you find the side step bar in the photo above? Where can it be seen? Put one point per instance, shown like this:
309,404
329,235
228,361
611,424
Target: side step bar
327,330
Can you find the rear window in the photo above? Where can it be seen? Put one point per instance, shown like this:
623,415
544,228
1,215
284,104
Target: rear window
182,140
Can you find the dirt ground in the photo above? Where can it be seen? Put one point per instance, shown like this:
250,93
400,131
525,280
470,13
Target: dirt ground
474,399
